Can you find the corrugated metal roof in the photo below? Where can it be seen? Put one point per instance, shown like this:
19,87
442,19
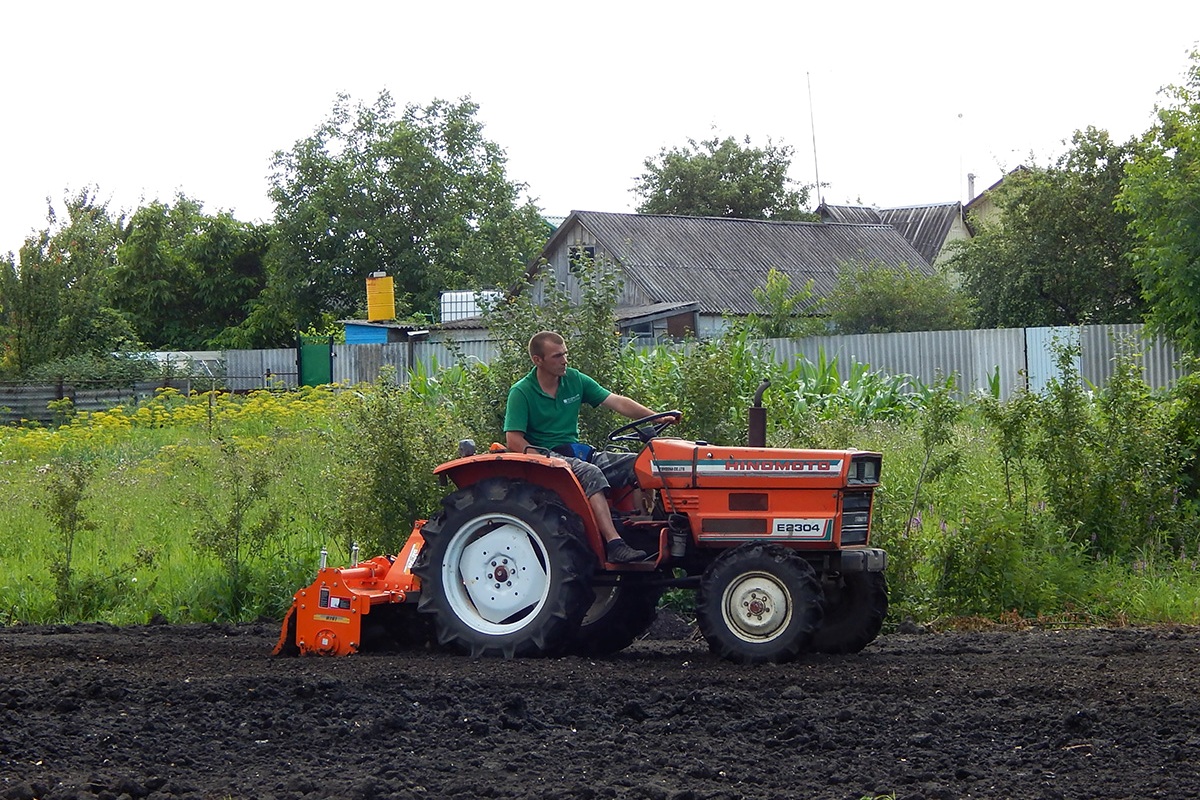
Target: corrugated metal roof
925,227
862,215
652,312
718,262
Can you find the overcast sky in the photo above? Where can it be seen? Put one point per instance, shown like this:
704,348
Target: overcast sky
146,99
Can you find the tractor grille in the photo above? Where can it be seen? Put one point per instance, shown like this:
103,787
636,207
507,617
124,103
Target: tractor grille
856,517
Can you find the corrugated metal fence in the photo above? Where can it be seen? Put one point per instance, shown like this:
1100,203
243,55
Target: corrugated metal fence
976,357
246,370
25,402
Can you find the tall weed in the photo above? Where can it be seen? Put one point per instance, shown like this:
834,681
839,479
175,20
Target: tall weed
387,443
1111,472
939,456
238,520
1011,424
67,481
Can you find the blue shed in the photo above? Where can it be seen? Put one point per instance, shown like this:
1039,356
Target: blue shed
363,332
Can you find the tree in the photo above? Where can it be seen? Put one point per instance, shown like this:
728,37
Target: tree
786,314
720,178
52,301
424,197
1059,253
589,324
184,277
872,297
1162,198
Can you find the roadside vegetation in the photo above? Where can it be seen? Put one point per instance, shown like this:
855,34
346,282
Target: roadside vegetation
1073,506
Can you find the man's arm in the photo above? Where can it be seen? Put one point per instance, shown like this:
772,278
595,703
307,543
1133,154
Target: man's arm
515,441
625,406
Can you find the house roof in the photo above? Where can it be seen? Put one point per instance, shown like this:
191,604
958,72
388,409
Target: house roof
925,227
862,215
637,315
717,262
978,199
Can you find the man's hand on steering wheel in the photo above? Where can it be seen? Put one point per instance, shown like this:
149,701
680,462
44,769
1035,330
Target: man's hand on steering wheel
646,428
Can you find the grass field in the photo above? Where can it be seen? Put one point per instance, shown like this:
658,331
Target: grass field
216,506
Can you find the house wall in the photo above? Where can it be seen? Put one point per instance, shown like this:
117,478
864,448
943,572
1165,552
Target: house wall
710,326
958,233
681,325
559,262
984,211
463,334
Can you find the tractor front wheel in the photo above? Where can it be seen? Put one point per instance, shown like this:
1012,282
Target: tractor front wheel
504,571
759,603
855,605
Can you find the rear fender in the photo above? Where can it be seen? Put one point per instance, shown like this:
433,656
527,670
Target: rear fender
548,471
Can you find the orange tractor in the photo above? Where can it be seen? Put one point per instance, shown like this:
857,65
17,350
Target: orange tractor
775,542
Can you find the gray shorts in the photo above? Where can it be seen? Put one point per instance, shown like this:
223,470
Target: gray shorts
618,471
590,477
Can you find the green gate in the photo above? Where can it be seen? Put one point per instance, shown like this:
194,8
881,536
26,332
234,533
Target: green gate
314,359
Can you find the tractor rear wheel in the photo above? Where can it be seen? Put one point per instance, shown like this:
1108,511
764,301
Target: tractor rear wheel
504,571
619,614
855,605
759,603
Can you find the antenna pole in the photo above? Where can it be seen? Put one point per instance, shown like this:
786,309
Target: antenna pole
812,122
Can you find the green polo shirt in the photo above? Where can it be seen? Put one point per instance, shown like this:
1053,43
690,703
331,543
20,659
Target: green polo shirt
550,421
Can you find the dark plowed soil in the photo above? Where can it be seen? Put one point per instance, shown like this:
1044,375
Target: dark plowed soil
204,712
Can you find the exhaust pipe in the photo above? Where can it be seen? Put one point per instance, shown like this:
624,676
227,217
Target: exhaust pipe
758,418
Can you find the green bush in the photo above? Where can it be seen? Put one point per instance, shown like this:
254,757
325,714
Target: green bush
1111,465
712,381
388,442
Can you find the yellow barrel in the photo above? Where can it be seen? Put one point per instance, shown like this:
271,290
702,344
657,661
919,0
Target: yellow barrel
381,297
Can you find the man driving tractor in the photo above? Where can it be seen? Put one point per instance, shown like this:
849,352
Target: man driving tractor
543,412
524,558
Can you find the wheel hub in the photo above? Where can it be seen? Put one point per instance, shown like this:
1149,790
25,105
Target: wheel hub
502,573
757,607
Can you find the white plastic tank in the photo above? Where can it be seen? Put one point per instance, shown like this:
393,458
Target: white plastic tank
465,304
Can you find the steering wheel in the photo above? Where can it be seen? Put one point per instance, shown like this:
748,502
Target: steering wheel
655,424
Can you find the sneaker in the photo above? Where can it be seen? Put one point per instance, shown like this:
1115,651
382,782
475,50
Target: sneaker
619,552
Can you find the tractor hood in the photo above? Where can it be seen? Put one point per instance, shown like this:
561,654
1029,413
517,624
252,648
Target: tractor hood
680,463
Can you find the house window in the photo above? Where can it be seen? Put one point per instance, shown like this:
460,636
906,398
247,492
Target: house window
581,253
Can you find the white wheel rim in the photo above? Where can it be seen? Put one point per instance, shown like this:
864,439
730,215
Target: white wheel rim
494,574
756,607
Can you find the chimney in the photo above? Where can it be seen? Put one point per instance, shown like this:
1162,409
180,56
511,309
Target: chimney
970,186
